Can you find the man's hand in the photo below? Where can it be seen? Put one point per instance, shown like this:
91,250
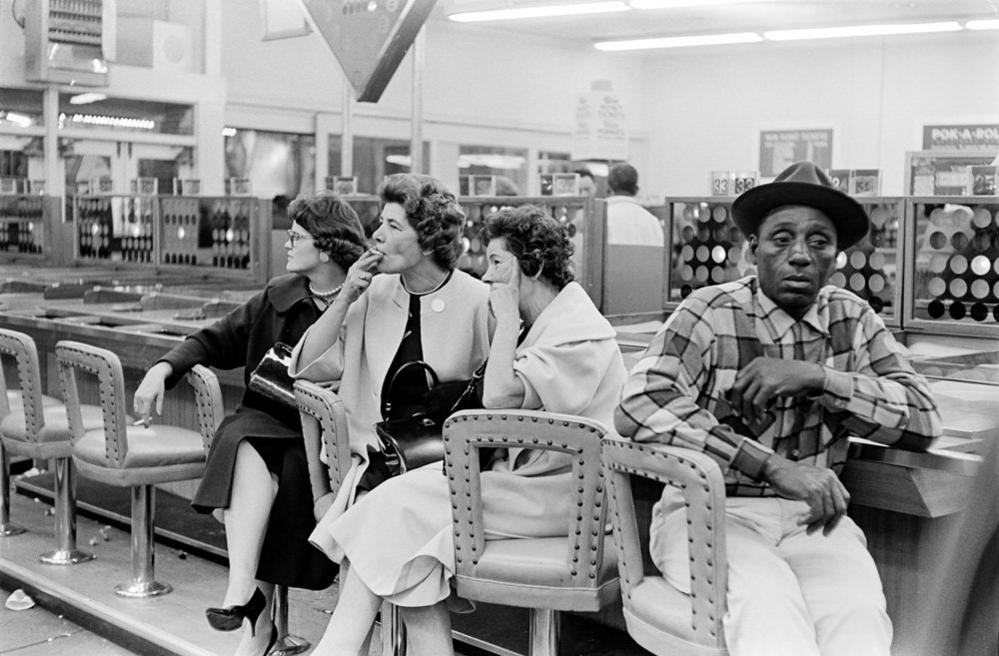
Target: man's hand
764,379
820,488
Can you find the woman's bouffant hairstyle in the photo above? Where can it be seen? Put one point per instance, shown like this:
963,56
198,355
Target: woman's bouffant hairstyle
333,224
432,210
537,240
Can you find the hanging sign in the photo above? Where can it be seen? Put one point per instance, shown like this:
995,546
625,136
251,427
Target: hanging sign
368,37
981,136
780,149
600,129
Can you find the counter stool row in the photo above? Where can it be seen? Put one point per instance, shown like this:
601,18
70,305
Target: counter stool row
101,443
547,575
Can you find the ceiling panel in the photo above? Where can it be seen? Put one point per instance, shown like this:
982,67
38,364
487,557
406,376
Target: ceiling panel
719,18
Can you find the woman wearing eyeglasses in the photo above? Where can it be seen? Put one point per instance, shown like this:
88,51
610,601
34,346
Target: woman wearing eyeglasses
257,471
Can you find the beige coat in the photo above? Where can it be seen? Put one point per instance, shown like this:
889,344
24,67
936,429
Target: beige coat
455,340
399,538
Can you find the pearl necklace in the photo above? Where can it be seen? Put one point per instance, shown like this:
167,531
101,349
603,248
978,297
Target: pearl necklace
327,295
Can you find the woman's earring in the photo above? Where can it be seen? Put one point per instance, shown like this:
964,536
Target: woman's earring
323,257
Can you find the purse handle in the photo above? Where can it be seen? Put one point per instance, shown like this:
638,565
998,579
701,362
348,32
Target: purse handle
389,393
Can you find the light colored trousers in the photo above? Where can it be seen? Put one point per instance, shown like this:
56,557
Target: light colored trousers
789,593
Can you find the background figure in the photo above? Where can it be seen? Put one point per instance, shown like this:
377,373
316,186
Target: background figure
506,187
257,469
627,221
587,183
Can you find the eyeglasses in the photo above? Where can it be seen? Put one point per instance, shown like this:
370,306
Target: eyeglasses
295,237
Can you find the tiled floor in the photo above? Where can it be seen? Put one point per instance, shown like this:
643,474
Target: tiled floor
39,632
169,624
78,600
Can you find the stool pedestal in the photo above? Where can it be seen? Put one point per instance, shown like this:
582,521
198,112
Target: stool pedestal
286,644
6,528
142,583
66,552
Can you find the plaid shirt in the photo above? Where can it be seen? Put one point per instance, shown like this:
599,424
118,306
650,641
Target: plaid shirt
675,394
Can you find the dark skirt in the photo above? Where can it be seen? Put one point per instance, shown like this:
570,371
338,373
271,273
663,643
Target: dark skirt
286,557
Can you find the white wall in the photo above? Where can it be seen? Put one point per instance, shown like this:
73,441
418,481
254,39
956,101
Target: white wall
481,87
706,110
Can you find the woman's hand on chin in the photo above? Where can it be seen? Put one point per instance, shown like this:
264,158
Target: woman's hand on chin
504,296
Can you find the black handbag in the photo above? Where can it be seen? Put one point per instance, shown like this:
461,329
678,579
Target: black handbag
411,441
270,378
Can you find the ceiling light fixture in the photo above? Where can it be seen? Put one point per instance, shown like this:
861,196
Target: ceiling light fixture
87,98
861,30
678,41
989,24
540,11
676,4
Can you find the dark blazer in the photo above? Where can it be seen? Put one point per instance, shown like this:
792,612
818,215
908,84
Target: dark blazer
281,312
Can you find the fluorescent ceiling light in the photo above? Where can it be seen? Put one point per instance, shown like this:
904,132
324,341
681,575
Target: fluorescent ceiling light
17,118
540,11
228,131
675,4
990,24
861,30
678,41
86,98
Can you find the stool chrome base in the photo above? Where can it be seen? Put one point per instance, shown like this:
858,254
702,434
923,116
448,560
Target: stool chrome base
7,530
66,557
141,589
289,645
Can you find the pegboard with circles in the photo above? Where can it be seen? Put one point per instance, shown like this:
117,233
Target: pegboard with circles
23,226
707,248
955,274
216,234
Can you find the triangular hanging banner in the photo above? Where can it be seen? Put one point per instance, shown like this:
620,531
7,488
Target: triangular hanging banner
369,37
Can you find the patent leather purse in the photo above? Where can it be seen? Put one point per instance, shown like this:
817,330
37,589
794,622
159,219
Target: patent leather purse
411,441
270,378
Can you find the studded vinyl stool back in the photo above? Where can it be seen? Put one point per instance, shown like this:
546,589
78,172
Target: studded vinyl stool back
121,454
571,572
34,425
660,618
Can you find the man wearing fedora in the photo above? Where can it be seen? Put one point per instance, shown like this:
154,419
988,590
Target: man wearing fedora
769,375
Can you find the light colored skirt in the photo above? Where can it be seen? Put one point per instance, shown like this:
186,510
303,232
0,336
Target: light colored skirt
399,538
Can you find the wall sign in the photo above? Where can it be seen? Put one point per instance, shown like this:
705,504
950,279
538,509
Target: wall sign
782,148
600,129
979,136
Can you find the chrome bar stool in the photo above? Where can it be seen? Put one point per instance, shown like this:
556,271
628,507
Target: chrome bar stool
123,455
659,617
286,644
547,575
35,425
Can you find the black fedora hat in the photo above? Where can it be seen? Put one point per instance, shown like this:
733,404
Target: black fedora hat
802,183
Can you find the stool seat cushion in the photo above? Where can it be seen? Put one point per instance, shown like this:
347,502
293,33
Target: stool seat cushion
15,399
53,439
535,573
157,454
659,618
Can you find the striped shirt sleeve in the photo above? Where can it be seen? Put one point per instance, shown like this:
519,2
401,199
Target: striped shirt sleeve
659,399
883,396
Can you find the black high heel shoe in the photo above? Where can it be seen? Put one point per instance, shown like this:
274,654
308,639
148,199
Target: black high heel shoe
231,618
